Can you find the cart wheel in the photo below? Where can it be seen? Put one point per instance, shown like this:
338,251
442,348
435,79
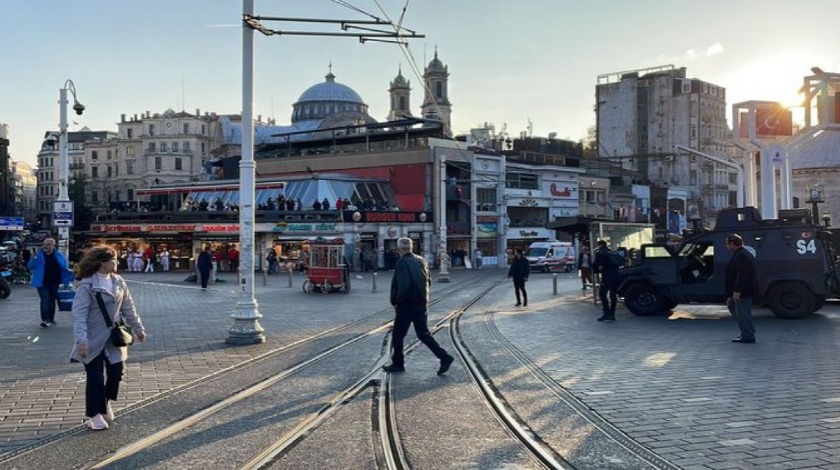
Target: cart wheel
307,286
326,287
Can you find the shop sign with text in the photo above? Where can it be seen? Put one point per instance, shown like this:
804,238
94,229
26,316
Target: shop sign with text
287,227
366,217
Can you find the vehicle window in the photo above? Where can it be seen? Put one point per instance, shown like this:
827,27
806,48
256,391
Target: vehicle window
550,253
656,252
537,251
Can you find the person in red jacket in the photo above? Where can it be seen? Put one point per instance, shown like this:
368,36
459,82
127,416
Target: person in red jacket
233,256
218,257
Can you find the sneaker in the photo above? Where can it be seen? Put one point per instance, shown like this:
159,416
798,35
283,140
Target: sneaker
109,412
45,324
445,363
97,423
517,304
393,368
50,324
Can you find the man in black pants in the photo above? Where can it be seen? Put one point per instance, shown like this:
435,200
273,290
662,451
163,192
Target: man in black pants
410,297
519,271
605,265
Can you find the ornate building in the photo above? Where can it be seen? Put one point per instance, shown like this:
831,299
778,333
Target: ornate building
436,103
400,91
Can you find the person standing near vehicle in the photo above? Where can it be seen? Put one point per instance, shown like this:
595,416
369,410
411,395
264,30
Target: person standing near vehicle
49,270
585,266
104,362
410,298
204,265
608,268
740,287
519,271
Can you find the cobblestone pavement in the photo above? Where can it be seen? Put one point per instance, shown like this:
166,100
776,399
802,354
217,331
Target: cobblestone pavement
678,385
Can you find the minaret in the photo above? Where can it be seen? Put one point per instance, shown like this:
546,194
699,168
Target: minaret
436,103
400,97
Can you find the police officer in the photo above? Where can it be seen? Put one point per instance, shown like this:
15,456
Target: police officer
604,264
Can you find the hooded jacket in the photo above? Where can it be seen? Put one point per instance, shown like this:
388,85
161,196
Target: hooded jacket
88,324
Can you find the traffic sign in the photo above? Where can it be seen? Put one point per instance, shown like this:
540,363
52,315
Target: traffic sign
11,223
63,213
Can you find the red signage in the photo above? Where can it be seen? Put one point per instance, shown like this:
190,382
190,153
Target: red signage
387,217
566,192
220,228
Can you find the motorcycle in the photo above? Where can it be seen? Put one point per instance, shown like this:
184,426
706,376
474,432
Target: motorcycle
6,274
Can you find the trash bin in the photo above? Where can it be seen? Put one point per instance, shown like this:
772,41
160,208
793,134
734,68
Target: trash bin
65,298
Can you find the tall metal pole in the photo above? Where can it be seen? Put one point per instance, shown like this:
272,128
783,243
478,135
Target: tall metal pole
443,255
63,170
246,328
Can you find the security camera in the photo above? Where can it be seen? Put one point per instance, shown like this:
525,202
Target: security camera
79,108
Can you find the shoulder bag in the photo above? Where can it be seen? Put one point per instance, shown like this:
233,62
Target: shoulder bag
120,333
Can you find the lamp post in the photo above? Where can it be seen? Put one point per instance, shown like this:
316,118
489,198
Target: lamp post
443,254
246,328
64,163
815,196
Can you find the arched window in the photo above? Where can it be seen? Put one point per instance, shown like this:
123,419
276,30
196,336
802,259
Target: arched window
439,89
402,103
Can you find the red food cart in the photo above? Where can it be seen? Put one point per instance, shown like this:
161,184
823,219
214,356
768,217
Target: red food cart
327,270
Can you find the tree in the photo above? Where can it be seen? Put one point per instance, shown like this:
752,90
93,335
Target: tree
83,211
590,142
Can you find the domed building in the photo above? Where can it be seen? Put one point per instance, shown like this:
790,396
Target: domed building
331,104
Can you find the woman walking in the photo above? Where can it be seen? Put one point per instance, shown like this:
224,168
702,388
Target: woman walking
104,362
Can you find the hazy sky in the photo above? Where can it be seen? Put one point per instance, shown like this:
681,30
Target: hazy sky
508,60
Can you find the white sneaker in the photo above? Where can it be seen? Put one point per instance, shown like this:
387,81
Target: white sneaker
109,412
97,423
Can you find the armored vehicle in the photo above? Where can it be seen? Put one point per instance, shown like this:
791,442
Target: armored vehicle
794,262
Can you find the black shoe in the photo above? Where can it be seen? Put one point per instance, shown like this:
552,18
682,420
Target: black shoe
609,319
603,317
393,368
525,304
517,304
445,363
51,324
45,324
742,340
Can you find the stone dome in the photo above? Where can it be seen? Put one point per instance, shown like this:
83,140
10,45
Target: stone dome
326,98
821,150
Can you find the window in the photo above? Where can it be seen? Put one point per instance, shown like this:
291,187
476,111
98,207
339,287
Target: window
186,147
94,196
152,147
110,171
163,147
151,129
94,155
158,163
129,194
174,147
202,129
202,149
94,172
402,103
521,181
527,216
439,89
186,128
178,164
109,155
486,199
129,133
129,168
129,151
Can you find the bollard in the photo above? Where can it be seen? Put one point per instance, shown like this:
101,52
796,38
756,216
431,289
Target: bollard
554,282
373,286
290,277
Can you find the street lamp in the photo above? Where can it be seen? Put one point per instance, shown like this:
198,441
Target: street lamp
443,254
815,196
64,163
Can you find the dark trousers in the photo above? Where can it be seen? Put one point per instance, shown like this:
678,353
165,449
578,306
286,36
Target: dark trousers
99,389
607,292
49,297
742,311
205,276
404,319
519,286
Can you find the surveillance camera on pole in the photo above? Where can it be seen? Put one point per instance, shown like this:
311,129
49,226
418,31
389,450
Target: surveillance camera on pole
78,107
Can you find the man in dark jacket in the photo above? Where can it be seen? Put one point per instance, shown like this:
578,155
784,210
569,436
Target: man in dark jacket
205,265
410,297
519,271
608,269
740,287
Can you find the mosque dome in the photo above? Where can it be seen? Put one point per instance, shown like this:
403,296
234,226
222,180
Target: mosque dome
327,98
818,151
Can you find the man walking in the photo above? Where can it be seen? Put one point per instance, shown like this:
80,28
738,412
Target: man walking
605,265
410,297
740,287
205,265
585,266
49,270
519,271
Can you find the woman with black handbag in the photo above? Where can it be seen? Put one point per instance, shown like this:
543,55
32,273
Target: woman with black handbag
101,303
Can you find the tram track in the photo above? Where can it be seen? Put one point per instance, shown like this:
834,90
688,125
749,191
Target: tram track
240,395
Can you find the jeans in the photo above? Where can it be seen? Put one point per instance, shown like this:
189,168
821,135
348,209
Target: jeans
608,296
98,389
49,297
417,316
741,309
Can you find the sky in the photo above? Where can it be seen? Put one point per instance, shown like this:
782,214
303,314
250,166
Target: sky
510,62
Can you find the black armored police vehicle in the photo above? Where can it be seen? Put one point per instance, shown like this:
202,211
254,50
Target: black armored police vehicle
794,262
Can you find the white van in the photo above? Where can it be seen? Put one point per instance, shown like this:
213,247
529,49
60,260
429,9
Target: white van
551,256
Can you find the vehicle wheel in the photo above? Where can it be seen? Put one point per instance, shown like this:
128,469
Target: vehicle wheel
307,286
546,269
5,289
326,287
819,304
791,300
644,299
568,268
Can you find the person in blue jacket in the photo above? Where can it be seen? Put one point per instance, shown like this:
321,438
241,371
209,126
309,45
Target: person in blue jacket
49,271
